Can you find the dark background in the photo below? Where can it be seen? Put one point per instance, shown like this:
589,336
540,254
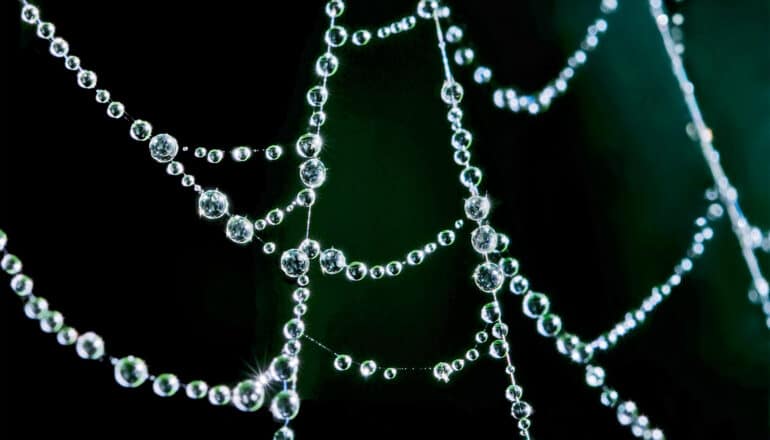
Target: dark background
597,195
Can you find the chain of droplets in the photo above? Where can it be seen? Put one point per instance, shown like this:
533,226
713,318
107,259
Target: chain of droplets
333,261
132,371
362,37
634,318
441,370
749,237
238,154
164,148
214,204
488,276
487,272
507,97
295,262
536,306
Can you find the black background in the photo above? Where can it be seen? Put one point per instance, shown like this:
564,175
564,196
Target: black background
597,196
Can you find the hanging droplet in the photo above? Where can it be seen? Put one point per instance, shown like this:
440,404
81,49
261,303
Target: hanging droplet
294,329
102,96
284,368
464,56
521,410
490,313
368,368
241,154
310,247
175,168
488,277
86,79
471,177
332,261
11,264
627,413
535,304
566,342
35,307
312,173
609,397
477,208
51,321
482,75
292,347
67,336
273,152
306,198
326,65
90,346
165,385
356,271
343,362
454,34
549,325
335,8
59,47
317,119
499,330
462,139
212,204
361,37
513,393
284,433
484,239
268,248
594,376
498,349
239,229
131,372
21,284
377,272
220,395
426,8
163,148
274,216
581,353
389,373
317,96
248,396
509,266
215,156
441,371
116,110
285,405
197,389
446,237
451,92
394,268
415,257
336,36
141,130
30,14
309,145
519,285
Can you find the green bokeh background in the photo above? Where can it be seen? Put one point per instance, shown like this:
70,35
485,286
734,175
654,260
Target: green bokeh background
597,196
